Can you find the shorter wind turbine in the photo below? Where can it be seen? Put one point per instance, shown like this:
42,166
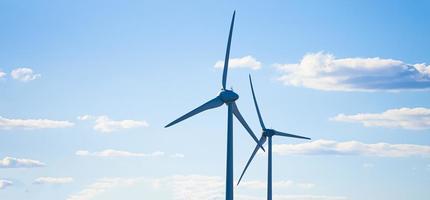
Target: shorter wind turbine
267,133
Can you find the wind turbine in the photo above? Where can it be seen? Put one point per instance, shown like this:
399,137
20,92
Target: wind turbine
227,97
267,133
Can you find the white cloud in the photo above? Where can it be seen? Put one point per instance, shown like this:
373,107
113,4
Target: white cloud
2,74
117,153
6,123
85,117
53,180
324,72
329,147
24,74
101,186
406,118
106,125
9,162
5,183
244,62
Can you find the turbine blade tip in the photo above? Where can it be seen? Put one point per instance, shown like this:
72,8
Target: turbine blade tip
168,125
240,179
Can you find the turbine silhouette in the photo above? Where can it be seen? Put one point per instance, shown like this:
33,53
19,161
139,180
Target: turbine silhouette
227,97
267,133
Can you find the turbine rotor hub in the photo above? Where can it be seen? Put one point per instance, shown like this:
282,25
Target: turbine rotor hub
269,132
228,96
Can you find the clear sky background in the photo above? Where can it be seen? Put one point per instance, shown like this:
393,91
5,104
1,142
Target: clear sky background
87,86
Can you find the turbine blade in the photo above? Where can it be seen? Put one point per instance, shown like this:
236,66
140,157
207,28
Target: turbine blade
261,142
256,105
216,102
290,135
227,54
244,124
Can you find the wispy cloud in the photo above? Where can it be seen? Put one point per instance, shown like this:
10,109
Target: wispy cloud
106,125
6,123
5,183
118,153
323,71
9,162
52,180
244,62
406,118
2,74
24,74
101,186
329,147
86,117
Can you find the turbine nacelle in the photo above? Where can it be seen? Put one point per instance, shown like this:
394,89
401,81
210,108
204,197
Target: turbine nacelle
269,132
228,96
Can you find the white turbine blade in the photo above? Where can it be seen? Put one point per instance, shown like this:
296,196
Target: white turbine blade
227,53
256,105
216,102
261,142
244,124
290,135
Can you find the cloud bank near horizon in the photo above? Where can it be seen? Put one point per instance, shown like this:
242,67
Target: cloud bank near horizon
194,187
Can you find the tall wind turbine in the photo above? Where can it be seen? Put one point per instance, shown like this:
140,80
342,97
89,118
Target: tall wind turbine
267,133
227,97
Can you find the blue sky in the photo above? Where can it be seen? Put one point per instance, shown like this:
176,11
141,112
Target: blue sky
87,86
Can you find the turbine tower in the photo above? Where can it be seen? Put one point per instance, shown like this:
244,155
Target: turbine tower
227,97
267,133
